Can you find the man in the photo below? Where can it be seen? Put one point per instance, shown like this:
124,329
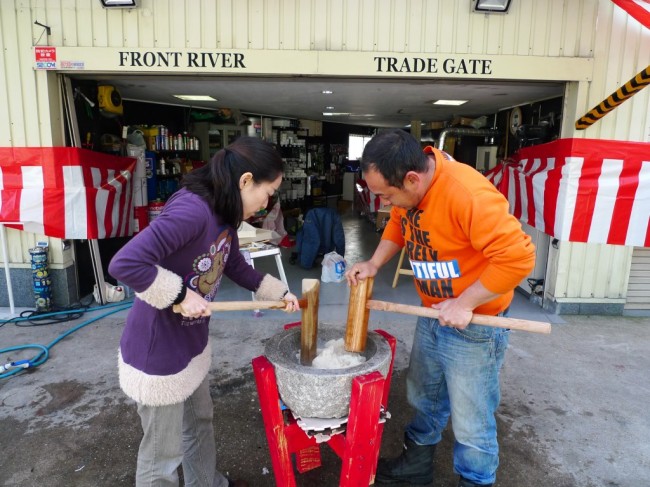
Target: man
467,254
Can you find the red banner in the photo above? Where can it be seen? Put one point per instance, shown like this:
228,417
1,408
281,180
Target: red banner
66,192
581,190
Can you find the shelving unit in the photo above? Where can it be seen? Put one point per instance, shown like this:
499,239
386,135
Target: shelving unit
309,180
162,182
214,137
293,149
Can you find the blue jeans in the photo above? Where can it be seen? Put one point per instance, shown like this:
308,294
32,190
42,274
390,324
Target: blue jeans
175,434
456,372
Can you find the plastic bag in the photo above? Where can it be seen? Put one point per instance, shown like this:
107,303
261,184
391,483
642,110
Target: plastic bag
136,138
333,268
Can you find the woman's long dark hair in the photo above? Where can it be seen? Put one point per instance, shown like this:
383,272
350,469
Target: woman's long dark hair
218,181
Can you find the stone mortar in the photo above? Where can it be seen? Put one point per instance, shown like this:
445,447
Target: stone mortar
320,393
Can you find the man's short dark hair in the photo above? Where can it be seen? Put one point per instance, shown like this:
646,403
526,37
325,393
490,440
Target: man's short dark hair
393,153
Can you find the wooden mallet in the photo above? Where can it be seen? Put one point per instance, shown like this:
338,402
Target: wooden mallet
356,331
309,326
361,304
308,307
242,306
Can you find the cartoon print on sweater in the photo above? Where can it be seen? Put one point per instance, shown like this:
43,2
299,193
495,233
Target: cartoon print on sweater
208,268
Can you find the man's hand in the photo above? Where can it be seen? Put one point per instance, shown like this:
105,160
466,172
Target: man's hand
369,268
452,313
360,271
458,312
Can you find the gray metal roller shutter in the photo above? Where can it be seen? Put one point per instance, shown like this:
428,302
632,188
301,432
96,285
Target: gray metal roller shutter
638,290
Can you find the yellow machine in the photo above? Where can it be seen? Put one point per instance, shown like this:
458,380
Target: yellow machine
110,100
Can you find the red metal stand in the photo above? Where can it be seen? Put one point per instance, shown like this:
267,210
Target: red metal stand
358,446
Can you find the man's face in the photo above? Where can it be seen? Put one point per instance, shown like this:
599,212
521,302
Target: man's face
404,197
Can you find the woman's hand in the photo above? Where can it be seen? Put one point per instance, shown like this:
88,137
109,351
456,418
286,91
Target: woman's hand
194,305
292,303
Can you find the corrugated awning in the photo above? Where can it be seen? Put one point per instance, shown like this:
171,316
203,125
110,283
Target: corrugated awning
581,190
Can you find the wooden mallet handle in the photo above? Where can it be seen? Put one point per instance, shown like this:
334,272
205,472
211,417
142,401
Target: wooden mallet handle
243,306
486,320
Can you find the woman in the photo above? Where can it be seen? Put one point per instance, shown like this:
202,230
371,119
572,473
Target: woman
180,258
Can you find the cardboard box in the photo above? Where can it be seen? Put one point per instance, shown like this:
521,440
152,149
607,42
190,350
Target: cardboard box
261,235
435,125
246,230
383,215
464,121
314,128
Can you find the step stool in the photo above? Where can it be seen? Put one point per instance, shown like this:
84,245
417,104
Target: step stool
357,446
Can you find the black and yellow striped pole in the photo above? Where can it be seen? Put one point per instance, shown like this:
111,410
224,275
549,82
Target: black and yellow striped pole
636,84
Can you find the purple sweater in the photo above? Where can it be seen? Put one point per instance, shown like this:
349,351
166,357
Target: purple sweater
164,356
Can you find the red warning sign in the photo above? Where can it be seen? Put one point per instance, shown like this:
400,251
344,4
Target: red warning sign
45,53
45,57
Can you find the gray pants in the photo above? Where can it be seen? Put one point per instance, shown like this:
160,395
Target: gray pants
180,433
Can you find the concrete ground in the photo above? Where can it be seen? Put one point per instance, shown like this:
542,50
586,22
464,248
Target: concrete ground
573,413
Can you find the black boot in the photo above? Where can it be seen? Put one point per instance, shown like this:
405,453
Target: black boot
462,482
414,465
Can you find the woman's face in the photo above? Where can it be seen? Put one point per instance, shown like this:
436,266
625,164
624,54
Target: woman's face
256,196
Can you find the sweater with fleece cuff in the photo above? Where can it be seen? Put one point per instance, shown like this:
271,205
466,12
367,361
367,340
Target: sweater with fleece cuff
163,355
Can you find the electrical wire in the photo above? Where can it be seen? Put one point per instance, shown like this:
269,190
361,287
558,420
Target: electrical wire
15,367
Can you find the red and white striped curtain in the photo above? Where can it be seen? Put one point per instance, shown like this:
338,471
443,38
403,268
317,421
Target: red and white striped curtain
66,192
581,190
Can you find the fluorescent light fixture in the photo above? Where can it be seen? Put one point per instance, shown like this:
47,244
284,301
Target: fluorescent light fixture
196,97
327,92
492,6
450,102
119,3
329,108
335,114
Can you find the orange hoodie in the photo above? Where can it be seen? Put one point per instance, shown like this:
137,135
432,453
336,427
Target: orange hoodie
462,231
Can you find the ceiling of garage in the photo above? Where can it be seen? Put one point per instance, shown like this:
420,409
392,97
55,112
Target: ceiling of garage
369,102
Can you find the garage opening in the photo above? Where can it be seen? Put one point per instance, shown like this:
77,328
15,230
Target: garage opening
180,135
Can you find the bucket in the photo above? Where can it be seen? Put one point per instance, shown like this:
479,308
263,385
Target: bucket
255,127
140,218
154,209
